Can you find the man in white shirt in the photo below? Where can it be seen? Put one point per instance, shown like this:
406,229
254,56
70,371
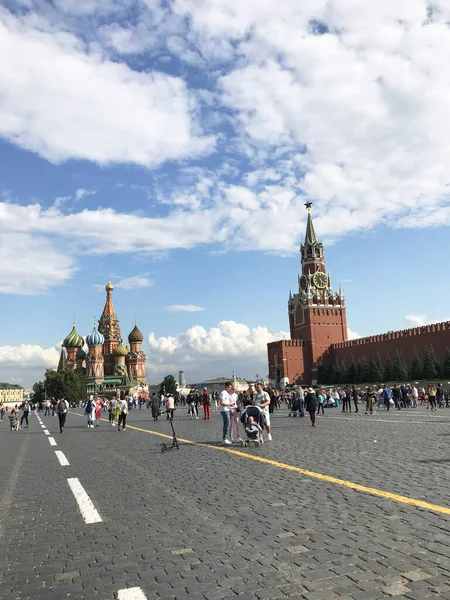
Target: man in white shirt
262,399
225,403
414,396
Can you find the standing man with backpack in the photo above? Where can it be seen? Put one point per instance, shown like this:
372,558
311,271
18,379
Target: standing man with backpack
206,404
89,409
62,409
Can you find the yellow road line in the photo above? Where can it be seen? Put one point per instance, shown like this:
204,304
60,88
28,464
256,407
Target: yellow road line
320,476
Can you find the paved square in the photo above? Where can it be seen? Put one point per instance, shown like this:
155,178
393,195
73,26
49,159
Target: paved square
210,523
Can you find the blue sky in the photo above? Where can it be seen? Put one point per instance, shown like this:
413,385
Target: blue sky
170,147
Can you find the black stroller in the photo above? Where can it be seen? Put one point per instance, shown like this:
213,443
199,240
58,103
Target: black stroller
253,430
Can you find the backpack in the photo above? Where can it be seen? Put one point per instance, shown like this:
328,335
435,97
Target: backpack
89,406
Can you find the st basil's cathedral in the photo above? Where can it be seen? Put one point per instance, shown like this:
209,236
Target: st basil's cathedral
108,363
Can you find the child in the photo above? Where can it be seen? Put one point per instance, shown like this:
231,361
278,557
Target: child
252,429
14,420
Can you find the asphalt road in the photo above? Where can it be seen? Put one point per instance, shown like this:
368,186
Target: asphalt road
358,507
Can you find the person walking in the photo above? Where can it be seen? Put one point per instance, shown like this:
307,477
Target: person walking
355,397
432,396
25,413
225,404
311,405
262,399
370,399
123,411
89,410
155,406
62,409
396,396
98,412
170,406
320,403
234,418
206,405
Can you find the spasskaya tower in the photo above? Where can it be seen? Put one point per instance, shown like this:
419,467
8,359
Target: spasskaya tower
317,318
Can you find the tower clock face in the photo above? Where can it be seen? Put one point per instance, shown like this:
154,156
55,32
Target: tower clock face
303,282
320,280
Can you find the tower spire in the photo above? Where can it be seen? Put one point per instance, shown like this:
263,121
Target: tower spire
310,236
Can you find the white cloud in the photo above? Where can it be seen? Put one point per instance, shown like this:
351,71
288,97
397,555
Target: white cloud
64,101
352,335
81,193
206,353
420,320
184,308
30,265
29,356
135,282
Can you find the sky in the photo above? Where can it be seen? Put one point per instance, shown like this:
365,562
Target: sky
170,147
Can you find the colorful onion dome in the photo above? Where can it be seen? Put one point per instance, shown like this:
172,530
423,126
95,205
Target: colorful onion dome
81,354
95,338
73,340
136,335
121,350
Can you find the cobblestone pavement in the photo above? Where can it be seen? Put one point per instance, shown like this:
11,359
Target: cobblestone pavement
205,524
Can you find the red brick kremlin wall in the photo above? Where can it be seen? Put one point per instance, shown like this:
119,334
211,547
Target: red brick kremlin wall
436,335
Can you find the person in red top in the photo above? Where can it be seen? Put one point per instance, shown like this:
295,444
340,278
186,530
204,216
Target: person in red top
206,404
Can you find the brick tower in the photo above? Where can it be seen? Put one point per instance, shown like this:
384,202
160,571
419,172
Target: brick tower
110,329
317,318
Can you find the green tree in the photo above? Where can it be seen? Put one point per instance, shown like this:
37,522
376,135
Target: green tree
336,373
446,365
375,370
344,372
39,392
363,370
67,384
399,370
168,385
416,371
352,370
430,364
387,374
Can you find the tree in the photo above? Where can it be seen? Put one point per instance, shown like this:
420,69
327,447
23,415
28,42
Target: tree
39,392
399,370
344,372
416,371
387,375
430,364
70,385
375,370
363,370
168,385
336,373
352,370
446,365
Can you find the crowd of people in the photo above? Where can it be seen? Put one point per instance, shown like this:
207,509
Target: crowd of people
233,405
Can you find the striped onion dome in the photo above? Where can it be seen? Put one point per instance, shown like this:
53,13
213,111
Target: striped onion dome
95,338
73,340
136,335
121,350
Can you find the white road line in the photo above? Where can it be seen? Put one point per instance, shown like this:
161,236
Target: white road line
87,509
52,441
132,594
62,458
46,432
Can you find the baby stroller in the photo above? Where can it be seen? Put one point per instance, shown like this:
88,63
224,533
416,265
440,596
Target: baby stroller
253,420
295,407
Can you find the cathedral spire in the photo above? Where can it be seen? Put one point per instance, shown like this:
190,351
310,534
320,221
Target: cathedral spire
310,236
108,324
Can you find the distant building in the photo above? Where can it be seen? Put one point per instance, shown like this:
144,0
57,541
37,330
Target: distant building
217,385
181,379
108,364
11,393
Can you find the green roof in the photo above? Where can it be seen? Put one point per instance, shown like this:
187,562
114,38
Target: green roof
310,237
8,386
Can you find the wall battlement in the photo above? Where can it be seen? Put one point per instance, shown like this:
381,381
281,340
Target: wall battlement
289,343
394,335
